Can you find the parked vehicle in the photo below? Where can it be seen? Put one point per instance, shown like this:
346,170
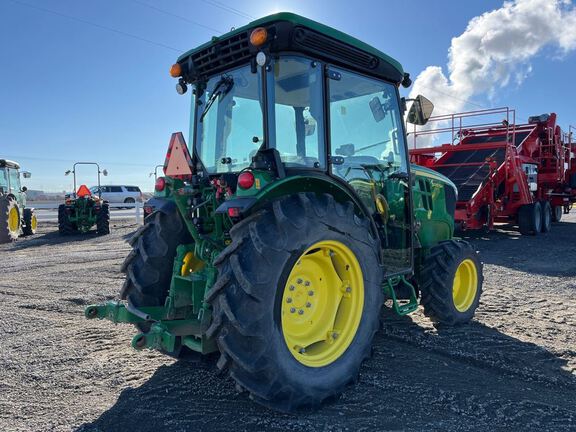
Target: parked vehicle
119,193
15,217
84,209
505,171
296,216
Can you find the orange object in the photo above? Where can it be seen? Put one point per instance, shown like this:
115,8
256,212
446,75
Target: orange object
175,70
258,36
83,191
178,163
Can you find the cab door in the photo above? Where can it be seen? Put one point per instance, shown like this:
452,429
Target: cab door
366,133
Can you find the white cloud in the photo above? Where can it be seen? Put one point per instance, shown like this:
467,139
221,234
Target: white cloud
495,51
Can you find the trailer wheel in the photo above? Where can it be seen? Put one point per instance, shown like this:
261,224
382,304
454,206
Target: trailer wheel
530,219
297,301
546,216
451,282
557,212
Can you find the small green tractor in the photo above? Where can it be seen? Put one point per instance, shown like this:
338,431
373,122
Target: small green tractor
82,209
294,218
15,217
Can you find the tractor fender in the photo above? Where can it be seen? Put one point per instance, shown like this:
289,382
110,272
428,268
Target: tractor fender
306,182
166,206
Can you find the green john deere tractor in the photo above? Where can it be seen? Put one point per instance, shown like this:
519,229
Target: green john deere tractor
82,209
295,217
15,217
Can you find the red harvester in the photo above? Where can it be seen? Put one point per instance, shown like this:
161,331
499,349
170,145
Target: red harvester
504,172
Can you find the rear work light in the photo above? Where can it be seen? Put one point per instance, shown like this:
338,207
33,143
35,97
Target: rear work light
246,180
160,184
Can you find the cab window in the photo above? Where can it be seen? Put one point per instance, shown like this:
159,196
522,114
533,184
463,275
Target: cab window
295,113
14,180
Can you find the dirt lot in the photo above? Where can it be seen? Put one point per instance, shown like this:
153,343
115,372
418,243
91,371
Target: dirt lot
513,368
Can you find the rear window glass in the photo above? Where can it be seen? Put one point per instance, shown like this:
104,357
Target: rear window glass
132,188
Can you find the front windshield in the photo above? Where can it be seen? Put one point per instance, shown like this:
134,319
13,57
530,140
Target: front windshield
229,121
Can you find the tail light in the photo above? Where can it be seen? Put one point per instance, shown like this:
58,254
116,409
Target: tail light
246,180
160,184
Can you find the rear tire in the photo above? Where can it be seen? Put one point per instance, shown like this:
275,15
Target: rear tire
30,222
250,320
9,220
65,227
103,220
546,216
557,212
451,282
148,267
530,219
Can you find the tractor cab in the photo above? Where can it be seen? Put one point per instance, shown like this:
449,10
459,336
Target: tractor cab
291,105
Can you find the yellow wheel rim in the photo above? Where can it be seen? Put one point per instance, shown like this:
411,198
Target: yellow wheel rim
190,264
13,219
34,223
322,303
465,285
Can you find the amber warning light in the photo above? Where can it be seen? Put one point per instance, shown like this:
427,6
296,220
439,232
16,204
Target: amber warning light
258,36
175,70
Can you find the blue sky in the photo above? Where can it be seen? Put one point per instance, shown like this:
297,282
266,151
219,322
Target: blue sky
74,85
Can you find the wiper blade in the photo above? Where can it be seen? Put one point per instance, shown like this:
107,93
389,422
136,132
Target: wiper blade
221,88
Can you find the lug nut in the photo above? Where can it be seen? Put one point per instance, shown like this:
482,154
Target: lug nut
291,288
289,300
334,335
310,293
300,312
307,283
348,289
299,281
292,310
308,304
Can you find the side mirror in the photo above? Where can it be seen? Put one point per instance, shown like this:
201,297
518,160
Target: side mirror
420,111
26,174
23,188
104,172
377,110
67,172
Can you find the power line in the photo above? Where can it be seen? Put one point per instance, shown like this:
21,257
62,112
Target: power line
100,26
229,9
165,12
42,159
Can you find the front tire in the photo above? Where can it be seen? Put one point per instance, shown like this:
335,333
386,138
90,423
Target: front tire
286,267
451,282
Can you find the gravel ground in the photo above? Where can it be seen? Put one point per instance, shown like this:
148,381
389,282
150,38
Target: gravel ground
513,368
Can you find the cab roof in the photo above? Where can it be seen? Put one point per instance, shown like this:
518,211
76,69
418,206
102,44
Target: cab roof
5,163
290,32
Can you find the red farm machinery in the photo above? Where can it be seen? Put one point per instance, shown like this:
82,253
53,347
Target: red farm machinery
504,171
